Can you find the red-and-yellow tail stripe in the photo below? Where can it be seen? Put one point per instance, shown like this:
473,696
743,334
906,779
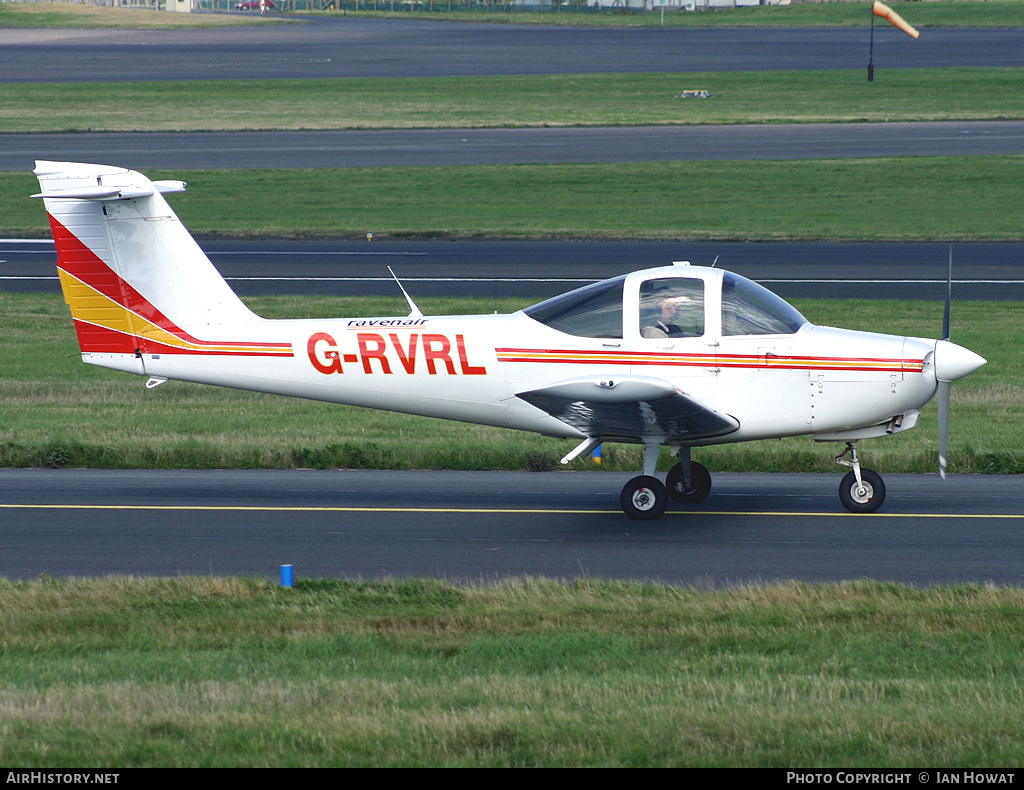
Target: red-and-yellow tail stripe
111,317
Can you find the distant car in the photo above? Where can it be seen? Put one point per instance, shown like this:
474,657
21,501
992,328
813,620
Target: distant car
254,5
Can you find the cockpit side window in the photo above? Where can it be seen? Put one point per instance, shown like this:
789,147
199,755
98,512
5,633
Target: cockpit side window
592,311
750,309
672,307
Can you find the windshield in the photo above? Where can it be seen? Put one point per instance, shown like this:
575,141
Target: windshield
591,311
749,309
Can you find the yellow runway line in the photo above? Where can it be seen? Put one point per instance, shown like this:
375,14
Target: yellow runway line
509,511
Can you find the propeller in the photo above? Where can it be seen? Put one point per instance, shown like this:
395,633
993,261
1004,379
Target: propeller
951,362
943,398
944,387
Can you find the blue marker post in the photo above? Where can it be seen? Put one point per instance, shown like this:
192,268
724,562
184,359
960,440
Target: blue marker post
287,576
596,455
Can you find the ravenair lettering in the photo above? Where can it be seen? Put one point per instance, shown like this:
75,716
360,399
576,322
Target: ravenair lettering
377,353
372,322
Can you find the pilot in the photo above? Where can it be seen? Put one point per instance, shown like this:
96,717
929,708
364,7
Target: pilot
674,315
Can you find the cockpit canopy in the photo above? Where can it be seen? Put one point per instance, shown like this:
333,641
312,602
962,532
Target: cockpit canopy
591,311
670,302
751,309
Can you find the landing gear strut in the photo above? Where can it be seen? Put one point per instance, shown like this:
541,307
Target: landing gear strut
646,498
862,490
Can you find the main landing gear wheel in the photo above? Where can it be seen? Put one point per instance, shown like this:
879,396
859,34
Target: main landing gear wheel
696,491
644,498
866,498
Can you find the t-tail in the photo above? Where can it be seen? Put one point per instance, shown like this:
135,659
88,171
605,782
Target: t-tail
136,282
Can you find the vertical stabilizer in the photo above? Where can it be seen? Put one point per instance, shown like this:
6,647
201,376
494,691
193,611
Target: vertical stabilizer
136,281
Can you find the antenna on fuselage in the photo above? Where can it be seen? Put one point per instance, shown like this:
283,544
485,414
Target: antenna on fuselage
415,312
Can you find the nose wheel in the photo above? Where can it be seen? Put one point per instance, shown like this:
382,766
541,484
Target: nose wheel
865,496
862,490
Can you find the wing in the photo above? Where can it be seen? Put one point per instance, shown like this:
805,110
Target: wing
630,407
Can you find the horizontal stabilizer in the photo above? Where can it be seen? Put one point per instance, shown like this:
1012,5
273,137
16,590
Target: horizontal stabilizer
112,192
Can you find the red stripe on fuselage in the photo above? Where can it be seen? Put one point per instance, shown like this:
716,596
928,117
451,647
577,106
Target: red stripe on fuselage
683,359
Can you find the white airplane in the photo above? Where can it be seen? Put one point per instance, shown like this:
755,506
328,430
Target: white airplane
683,356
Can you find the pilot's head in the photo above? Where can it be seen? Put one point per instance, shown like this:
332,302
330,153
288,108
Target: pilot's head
671,304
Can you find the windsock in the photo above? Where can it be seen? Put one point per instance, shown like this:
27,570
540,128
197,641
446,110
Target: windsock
882,10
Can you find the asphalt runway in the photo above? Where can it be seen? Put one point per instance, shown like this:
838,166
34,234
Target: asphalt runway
535,270
185,151
344,47
481,526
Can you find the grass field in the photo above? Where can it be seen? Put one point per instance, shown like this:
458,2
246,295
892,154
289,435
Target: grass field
56,411
946,13
72,15
227,672
838,95
912,198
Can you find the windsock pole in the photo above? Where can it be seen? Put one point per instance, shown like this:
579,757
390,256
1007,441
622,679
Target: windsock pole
871,52
879,8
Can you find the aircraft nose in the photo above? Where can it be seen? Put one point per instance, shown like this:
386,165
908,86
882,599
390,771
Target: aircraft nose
953,362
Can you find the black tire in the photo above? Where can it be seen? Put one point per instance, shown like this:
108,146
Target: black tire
644,498
699,488
866,501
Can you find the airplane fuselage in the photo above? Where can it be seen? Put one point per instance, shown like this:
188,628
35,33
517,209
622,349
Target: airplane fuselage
817,380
